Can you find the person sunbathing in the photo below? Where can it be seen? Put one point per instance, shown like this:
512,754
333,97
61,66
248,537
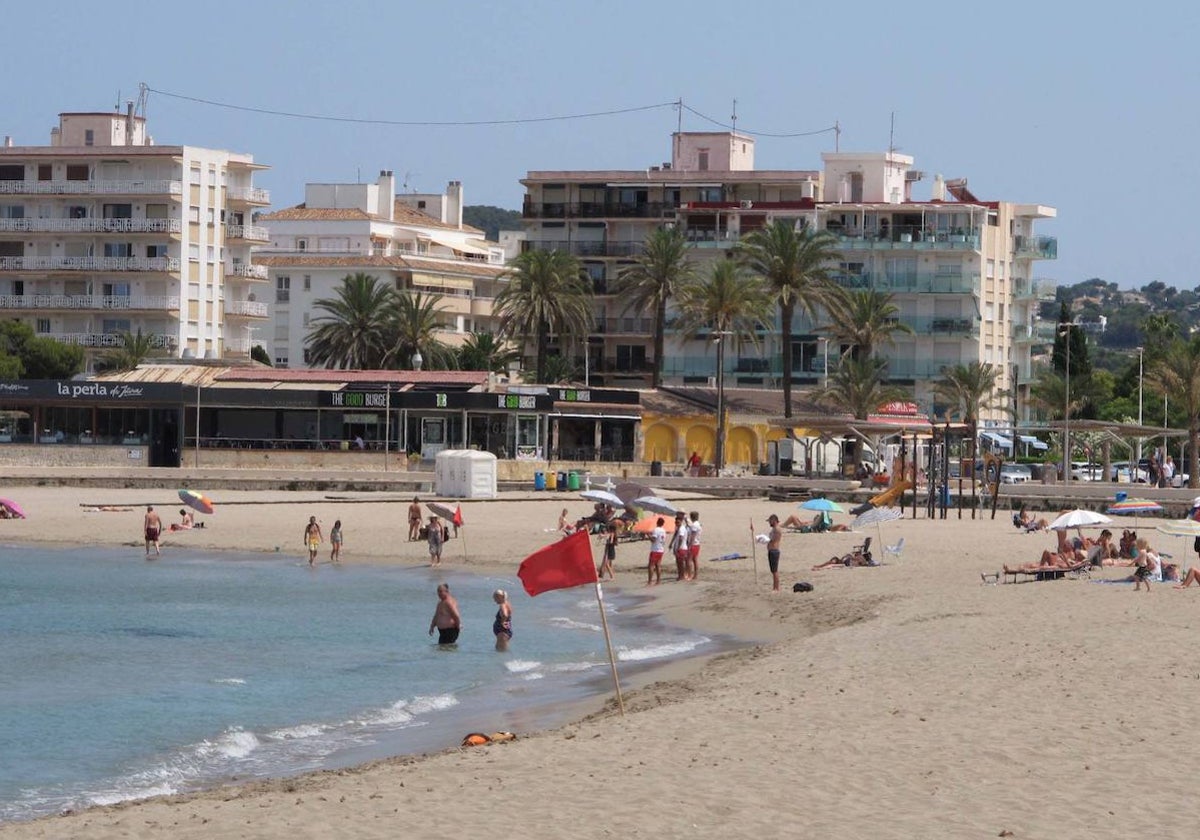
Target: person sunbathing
1050,561
819,525
854,558
1023,519
1193,576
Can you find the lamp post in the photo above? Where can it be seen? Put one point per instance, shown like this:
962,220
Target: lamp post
417,360
719,454
825,370
1064,329
1137,465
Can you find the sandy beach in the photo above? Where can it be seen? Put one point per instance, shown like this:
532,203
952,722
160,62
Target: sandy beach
908,700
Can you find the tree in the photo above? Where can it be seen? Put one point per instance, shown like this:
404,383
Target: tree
412,328
1177,374
559,371
1081,363
862,319
356,329
653,279
794,264
969,390
859,387
546,293
24,355
131,352
482,351
259,354
491,220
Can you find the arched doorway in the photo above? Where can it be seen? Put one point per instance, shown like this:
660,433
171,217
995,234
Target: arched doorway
660,442
701,439
743,446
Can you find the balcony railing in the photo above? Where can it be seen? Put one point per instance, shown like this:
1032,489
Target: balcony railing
597,210
248,271
90,302
252,233
248,195
904,237
89,264
237,346
89,187
588,249
630,326
926,325
91,225
106,340
915,283
248,308
1036,247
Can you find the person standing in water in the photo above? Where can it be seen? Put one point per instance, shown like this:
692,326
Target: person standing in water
313,539
446,618
436,537
152,527
502,626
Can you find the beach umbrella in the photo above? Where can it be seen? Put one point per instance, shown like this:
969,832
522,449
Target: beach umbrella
824,505
1134,508
876,517
1079,518
648,523
196,500
1180,528
627,491
654,504
603,497
14,509
444,511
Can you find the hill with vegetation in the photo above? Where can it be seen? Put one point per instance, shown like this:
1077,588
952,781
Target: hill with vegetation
491,220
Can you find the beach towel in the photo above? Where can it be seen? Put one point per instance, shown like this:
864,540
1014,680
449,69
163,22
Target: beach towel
734,556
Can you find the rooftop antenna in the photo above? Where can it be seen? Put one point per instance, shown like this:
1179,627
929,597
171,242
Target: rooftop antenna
837,136
892,135
117,107
143,98
679,116
734,117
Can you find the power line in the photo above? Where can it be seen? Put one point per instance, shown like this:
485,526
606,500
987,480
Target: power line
446,123
692,110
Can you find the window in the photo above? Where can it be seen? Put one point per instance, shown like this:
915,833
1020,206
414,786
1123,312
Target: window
12,172
306,316
118,211
156,251
45,172
194,214
77,172
308,357
43,325
710,194
991,269
194,175
281,361
194,252
301,244
702,158
12,211
89,137
118,249
212,216
308,282
421,204
283,288
116,325
156,211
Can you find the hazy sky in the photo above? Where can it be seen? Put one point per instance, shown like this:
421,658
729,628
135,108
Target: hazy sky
1089,108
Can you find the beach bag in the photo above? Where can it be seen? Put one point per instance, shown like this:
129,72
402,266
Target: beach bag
803,586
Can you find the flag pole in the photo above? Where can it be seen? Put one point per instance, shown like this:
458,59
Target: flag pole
753,550
612,659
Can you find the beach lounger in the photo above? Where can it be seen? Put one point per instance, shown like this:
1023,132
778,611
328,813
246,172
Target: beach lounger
1079,570
894,550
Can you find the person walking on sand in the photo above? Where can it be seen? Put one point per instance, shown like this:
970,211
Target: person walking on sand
446,618
414,520
610,553
658,542
152,527
693,569
774,537
335,542
502,626
313,539
436,537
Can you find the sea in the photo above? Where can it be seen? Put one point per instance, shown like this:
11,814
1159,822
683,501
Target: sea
122,678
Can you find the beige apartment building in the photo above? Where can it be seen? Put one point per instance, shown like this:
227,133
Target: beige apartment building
414,241
961,269
102,231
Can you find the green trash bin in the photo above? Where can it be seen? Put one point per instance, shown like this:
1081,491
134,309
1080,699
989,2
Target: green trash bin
573,481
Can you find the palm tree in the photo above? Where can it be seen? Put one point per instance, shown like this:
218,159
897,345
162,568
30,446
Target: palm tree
860,319
795,265
560,370
131,352
1178,374
857,387
970,390
356,329
482,351
415,321
546,293
653,279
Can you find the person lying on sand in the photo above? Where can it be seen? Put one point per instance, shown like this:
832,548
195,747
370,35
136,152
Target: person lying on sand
854,558
819,524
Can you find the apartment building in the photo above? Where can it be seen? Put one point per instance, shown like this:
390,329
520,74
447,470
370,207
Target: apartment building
414,241
961,269
102,231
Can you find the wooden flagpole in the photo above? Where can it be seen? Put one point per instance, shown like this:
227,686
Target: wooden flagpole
612,659
753,550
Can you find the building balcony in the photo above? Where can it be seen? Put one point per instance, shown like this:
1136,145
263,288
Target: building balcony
1025,334
1036,247
597,210
612,365
946,327
904,238
248,195
623,326
483,307
91,187
246,309
247,233
237,346
91,226
99,303
915,283
247,271
51,264
105,341
587,248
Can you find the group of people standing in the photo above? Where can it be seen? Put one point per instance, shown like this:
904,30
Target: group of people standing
313,539
684,546
447,618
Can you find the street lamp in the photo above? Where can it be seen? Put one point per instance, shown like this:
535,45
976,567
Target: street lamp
719,454
417,360
825,370
1064,329
1141,358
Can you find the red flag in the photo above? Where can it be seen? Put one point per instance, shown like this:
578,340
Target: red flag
458,517
561,565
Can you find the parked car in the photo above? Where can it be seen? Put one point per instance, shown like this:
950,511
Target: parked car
1015,474
1086,471
1124,471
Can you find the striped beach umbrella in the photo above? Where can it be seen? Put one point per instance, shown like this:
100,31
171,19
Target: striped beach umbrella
1134,508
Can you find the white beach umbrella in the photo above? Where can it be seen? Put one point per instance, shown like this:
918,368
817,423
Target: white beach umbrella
655,504
1079,518
876,517
603,497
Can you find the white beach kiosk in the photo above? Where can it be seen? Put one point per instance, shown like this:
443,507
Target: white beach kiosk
465,474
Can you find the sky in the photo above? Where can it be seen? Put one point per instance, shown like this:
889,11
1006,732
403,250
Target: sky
1087,108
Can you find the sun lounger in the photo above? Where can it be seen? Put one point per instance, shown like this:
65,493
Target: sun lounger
1046,573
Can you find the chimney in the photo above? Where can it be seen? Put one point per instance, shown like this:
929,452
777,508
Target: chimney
129,122
454,204
7,141
387,194
939,188
56,136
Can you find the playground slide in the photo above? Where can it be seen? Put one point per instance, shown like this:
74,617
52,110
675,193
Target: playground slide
892,494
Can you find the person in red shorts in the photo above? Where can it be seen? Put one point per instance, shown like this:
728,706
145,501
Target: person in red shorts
658,543
695,528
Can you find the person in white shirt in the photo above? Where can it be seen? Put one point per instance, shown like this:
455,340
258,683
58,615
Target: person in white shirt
679,545
658,542
693,568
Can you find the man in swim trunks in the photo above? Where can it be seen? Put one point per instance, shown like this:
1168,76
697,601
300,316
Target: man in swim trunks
414,520
312,539
658,542
774,537
152,527
446,618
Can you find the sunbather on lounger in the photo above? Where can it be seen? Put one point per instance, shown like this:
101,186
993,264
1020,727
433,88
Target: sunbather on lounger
854,558
820,524
1051,561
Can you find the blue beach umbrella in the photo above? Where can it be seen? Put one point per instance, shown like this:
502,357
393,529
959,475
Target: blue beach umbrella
824,505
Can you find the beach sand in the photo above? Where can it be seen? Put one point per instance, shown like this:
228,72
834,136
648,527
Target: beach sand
908,700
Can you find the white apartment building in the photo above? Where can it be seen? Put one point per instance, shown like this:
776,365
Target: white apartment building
961,269
413,241
103,231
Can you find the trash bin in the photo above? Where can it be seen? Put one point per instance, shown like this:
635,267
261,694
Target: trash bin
945,494
562,481
552,481
656,468
539,481
573,481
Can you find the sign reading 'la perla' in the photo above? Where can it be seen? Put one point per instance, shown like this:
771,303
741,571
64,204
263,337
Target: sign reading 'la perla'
100,390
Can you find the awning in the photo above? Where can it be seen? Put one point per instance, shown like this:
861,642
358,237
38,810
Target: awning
440,281
998,440
460,245
1030,440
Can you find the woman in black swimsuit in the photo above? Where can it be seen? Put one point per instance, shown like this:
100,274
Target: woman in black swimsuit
502,626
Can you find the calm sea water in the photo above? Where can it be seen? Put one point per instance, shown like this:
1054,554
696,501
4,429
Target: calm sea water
121,678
